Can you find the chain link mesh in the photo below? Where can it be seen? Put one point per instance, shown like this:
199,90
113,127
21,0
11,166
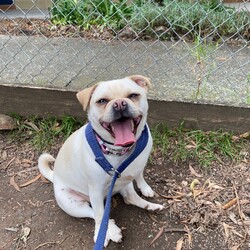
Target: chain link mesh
192,50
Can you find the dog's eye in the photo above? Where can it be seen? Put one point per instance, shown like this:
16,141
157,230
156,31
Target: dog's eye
133,95
103,101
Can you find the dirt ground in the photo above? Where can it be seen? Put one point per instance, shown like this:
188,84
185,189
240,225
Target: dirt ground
205,208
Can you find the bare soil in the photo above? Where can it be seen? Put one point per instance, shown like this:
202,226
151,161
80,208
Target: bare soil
205,208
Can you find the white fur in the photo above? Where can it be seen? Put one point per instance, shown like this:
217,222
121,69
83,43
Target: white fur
78,180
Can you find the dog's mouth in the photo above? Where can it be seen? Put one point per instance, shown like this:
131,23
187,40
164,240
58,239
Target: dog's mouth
123,130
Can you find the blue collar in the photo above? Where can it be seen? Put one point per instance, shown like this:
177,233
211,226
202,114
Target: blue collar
103,162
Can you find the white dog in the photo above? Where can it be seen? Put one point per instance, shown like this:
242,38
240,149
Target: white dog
117,111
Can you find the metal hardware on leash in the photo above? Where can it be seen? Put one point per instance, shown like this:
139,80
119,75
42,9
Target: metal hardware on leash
113,171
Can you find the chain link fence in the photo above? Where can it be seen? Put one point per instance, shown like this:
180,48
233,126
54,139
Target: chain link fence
194,51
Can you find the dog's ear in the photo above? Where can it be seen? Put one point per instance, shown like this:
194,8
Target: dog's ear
142,81
84,96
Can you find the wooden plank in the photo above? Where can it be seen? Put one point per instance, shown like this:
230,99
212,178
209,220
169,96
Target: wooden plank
27,101
7,7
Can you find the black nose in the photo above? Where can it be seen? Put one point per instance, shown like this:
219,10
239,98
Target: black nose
120,105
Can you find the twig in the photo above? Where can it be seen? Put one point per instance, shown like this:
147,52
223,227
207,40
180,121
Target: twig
51,243
240,214
46,243
28,169
8,164
172,230
157,235
168,230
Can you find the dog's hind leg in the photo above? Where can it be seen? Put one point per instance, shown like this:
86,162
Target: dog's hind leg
73,203
131,197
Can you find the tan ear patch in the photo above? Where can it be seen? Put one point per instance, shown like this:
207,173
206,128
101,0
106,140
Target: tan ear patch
84,96
142,81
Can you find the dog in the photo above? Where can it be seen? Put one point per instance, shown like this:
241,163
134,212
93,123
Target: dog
117,111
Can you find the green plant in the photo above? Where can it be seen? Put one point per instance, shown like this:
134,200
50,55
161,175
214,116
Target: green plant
181,145
183,18
105,13
43,132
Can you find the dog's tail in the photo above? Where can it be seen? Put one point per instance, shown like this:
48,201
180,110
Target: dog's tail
43,165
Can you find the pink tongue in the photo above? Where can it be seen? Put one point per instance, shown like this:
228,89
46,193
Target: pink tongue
123,133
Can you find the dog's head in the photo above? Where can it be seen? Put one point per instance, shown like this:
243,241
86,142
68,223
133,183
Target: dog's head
117,109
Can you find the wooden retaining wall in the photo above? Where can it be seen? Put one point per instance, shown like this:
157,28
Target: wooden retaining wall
28,101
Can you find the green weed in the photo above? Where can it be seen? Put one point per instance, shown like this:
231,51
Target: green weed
178,18
42,132
104,13
180,145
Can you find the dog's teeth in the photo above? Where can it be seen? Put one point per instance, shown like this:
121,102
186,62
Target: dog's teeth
132,125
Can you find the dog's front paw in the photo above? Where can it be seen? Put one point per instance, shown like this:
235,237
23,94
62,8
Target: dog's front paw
114,233
154,207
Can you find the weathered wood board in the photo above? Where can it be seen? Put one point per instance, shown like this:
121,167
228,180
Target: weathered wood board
27,101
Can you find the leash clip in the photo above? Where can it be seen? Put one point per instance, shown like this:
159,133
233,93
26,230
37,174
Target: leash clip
113,171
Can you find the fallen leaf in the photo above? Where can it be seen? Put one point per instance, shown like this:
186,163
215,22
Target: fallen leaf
32,125
189,236
157,236
194,183
25,233
232,217
13,183
190,146
30,181
238,234
229,204
226,230
26,161
235,247
179,244
172,196
193,172
245,135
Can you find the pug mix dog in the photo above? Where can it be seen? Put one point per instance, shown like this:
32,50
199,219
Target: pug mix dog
117,111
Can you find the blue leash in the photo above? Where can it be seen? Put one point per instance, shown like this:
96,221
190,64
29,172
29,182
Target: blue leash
107,167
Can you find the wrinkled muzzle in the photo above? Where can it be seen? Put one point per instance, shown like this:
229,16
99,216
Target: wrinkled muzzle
124,123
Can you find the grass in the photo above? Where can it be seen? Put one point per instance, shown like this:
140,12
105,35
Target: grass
180,145
177,145
41,132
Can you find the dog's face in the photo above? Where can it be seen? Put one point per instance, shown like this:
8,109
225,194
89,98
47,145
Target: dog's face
117,109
